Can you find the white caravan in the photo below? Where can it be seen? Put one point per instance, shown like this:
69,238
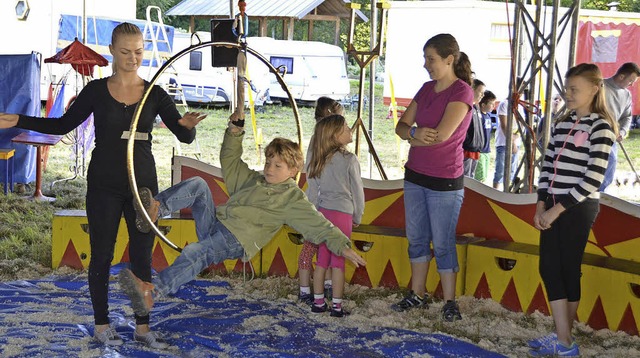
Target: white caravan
201,83
314,69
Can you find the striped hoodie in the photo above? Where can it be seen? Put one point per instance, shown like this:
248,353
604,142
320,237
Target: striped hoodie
576,159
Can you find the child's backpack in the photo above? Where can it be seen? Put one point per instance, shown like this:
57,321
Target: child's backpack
474,142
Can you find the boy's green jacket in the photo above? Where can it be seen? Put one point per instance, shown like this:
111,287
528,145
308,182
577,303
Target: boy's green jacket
256,210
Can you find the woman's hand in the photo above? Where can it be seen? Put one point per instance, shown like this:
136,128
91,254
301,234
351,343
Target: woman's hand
8,120
424,136
353,256
191,119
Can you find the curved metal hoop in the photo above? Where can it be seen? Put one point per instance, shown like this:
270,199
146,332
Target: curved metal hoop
136,116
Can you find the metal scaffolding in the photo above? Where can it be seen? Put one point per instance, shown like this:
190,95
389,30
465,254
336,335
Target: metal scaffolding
539,32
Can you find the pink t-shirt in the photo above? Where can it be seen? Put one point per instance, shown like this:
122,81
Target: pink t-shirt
442,160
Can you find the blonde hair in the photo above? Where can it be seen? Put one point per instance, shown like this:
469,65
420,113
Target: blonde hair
324,143
125,28
592,74
287,150
326,106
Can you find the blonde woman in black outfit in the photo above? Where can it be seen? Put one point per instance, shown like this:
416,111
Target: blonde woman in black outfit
113,101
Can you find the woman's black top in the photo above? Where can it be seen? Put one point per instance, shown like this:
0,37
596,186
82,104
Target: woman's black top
108,166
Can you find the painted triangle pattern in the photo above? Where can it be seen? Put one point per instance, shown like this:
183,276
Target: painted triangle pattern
539,302
598,319
388,278
510,298
361,277
628,322
278,265
483,290
70,257
158,259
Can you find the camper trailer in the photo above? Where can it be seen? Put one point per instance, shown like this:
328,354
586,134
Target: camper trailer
606,38
313,69
201,82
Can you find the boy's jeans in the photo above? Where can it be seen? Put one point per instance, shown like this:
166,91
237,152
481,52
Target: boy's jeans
610,172
215,241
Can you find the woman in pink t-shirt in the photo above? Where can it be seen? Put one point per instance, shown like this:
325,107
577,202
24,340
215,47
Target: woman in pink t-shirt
435,124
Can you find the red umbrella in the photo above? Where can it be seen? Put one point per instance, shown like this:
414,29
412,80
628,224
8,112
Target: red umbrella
81,58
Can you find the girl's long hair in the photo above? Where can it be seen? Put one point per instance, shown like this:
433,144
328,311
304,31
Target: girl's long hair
591,73
125,28
324,143
445,45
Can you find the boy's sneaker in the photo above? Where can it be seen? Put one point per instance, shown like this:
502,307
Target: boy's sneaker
108,337
410,301
556,349
150,205
306,298
140,293
451,311
542,341
319,309
339,313
150,339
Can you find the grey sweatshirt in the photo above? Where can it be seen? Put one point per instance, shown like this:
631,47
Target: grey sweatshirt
339,186
619,105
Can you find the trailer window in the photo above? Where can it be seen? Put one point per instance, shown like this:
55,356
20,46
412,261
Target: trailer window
287,62
195,61
499,47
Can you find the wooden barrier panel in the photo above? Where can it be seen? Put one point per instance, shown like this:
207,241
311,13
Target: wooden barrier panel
504,268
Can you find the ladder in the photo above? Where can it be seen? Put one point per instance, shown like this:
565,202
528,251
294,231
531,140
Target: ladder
173,86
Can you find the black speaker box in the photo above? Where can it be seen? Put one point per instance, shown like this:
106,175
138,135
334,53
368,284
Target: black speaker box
221,31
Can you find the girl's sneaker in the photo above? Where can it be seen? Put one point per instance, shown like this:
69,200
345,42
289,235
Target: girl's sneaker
542,341
108,337
319,309
556,349
306,298
339,313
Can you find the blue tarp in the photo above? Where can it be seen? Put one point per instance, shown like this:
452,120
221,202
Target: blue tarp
20,94
53,318
99,31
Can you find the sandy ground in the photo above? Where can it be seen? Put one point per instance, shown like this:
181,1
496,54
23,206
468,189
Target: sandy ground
485,322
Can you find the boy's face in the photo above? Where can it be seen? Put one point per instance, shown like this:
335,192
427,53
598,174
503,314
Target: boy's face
277,171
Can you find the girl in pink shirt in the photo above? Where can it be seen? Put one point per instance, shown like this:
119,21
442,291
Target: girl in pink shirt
435,123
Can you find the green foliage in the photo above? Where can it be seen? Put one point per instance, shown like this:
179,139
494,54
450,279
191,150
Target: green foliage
361,36
141,6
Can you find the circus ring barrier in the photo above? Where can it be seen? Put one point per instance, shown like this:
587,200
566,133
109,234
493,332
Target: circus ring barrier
497,248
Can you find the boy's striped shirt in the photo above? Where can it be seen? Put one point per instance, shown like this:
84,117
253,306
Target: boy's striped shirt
579,151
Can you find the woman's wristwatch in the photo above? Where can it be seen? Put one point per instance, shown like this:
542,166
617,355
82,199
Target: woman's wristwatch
412,133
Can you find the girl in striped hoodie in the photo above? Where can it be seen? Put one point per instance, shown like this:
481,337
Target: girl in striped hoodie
573,169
